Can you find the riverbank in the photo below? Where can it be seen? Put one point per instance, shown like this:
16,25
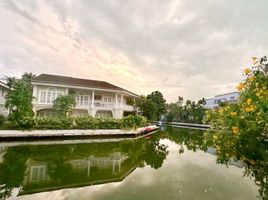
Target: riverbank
74,133
183,125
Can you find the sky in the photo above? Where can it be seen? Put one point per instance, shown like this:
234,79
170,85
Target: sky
189,48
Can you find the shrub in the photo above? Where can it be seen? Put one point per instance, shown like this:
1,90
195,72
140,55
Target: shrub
54,123
130,122
2,119
25,123
85,123
242,128
133,122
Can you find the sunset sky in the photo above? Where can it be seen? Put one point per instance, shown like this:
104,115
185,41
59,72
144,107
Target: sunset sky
190,48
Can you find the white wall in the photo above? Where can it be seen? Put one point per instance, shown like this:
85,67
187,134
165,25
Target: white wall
3,93
214,102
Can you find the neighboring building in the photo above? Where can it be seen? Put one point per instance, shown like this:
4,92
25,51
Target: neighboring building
3,93
214,102
94,98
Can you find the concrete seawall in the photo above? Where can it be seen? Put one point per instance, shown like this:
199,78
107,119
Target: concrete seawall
184,125
74,133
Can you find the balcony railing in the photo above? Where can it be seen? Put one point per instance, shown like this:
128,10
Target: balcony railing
101,104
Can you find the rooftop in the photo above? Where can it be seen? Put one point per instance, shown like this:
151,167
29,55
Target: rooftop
70,81
3,84
226,94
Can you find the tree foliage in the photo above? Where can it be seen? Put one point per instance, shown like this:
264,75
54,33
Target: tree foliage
152,106
158,99
242,128
190,112
64,105
147,108
19,98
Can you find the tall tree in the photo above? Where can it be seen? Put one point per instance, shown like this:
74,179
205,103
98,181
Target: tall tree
19,100
158,99
147,108
64,105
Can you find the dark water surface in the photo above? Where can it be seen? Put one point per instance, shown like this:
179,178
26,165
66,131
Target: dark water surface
171,164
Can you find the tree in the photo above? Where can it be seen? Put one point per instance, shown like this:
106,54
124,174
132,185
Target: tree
147,108
191,112
64,105
242,128
19,98
19,101
158,99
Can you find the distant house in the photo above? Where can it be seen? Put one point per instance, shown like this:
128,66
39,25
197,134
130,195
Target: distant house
3,93
215,101
94,98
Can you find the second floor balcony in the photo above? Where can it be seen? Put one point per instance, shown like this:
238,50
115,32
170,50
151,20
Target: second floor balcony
104,105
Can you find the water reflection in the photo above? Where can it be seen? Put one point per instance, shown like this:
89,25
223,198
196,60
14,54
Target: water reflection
38,168
195,140
50,167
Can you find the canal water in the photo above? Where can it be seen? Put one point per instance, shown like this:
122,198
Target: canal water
171,164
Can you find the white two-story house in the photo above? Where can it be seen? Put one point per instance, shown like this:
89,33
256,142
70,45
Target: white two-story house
3,93
94,98
215,101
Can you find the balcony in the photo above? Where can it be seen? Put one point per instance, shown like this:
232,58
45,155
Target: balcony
105,105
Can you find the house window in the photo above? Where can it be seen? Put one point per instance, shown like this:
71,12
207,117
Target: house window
43,97
38,173
48,96
232,97
104,114
82,100
97,97
107,99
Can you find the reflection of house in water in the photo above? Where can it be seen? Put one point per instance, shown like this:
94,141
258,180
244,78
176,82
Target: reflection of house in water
37,171
3,151
41,176
112,162
232,161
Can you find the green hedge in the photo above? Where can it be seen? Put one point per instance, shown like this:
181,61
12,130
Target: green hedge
53,123
129,122
2,119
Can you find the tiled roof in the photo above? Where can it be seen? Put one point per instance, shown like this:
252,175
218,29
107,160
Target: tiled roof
66,80
3,84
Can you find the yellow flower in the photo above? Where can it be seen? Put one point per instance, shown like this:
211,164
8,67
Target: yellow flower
247,71
253,162
251,78
250,108
249,101
254,58
221,110
233,113
240,86
235,129
215,137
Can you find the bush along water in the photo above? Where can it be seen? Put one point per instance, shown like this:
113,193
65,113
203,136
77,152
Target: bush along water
60,122
241,130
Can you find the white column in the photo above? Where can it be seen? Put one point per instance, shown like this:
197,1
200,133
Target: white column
92,98
116,100
88,168
122,98
35,95
66,91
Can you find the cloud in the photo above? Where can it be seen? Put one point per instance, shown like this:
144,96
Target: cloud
180,47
